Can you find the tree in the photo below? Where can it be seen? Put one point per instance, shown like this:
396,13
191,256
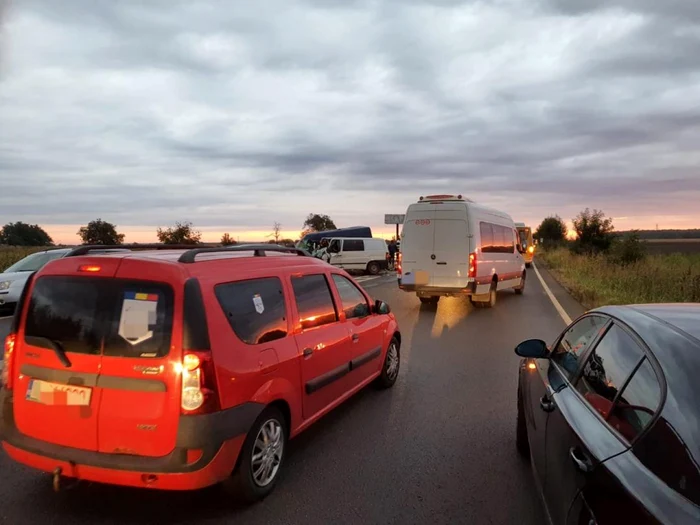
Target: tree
227,240
552,230
100,232
318,223
276,228
182,233
594,232
21,234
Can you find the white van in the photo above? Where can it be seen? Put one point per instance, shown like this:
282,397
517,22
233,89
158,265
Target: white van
370,255
452,246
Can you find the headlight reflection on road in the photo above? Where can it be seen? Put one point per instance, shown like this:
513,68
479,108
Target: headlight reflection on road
450,313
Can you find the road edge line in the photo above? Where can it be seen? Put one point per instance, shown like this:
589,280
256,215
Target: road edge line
557,305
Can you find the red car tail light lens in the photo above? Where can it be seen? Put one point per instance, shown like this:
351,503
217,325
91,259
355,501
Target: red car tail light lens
8,368
199,392
472,265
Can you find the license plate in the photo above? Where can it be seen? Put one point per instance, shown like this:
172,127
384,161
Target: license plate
48,393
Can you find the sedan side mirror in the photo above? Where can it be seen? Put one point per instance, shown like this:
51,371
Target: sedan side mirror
381,307
532,348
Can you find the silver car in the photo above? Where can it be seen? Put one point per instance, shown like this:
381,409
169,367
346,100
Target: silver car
13,279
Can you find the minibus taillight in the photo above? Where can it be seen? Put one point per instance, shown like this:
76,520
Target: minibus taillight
199,391
472,265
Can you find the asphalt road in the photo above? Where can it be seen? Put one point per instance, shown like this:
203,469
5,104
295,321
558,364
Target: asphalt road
437,448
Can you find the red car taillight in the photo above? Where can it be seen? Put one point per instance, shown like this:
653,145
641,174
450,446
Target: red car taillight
9,361
472,265
199,391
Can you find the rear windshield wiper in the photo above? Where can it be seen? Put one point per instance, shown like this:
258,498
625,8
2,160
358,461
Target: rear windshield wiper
56,346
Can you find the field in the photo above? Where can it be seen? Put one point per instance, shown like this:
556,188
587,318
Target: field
664,246
9,255
659,278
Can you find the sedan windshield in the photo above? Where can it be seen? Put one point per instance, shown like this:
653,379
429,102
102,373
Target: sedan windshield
35,262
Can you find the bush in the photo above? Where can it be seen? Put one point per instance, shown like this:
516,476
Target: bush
627,250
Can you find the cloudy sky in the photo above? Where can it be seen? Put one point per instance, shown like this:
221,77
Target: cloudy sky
234,115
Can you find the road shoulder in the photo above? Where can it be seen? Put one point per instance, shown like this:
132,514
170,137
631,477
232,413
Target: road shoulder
570,305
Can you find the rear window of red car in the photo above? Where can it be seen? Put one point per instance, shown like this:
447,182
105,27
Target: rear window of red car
113,317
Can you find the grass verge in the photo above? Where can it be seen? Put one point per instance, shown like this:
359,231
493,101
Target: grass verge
596,281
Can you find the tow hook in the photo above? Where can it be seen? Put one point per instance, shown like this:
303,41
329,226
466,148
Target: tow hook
57,479
60,482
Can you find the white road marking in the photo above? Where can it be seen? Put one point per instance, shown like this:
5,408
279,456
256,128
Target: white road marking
556,303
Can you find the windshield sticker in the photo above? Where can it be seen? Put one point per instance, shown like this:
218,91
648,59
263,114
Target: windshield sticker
258,302
138,315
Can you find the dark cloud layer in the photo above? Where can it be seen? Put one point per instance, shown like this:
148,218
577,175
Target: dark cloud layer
238,115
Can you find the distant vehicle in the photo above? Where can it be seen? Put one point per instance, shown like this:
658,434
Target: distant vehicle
452,246
182,368
527,243
13,279
610,416
310,240
369,255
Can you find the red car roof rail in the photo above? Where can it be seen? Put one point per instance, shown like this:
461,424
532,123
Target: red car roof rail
190,255
119,248
258,250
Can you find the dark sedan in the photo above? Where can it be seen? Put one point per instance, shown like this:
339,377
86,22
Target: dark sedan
610,416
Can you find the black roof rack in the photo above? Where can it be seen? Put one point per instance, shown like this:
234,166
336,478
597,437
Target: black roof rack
258,251
190,254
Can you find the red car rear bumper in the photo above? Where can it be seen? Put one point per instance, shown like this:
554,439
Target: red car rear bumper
214,472
206,451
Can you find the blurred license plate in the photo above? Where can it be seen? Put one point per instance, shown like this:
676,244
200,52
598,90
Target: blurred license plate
57,394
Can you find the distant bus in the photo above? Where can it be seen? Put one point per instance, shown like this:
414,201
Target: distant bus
311,240
525,234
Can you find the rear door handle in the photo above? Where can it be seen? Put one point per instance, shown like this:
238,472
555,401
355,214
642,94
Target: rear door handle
582,463
308,352
547,404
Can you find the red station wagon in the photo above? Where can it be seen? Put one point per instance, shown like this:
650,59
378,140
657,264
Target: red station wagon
177,370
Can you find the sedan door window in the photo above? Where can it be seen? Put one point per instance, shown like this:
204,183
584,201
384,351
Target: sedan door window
605,374
575,342
636,405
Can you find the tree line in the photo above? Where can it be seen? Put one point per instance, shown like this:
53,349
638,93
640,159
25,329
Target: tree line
595,235
101,232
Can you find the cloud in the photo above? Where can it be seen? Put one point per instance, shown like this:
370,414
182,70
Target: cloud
237,115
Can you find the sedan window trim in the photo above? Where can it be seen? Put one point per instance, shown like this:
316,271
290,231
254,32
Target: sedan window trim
658,372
